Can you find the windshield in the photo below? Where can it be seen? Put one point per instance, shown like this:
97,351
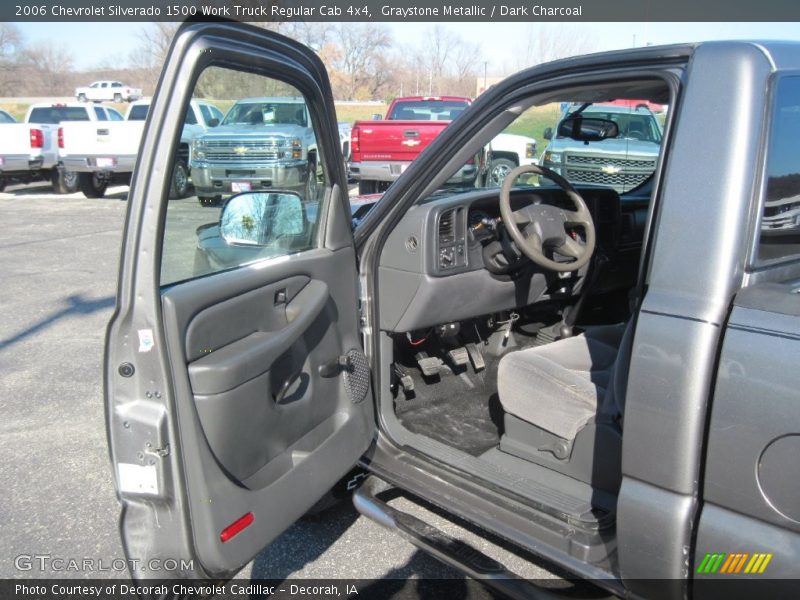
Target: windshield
56,114
267,113
634,124
428,110
623,163
138,112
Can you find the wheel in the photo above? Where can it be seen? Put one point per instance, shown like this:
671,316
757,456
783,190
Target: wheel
64,182
499,168
92,185
311,183
81,97
367,187
539,229
179,186
118,98
209,201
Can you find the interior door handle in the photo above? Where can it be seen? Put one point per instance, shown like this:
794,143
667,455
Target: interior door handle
287,385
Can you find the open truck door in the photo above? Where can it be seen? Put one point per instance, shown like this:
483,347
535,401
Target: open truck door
237,392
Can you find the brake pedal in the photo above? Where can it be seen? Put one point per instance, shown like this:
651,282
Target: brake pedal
458,357
476,357
429,365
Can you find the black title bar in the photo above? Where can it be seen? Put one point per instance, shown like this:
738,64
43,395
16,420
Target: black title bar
402,10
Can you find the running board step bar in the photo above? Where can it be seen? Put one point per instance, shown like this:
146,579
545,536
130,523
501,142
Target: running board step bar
451,551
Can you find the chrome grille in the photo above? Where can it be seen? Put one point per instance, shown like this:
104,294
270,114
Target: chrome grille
626,180
593,169
245,151
601,161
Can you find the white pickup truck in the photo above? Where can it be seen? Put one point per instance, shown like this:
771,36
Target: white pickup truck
29,150
110,91
98,152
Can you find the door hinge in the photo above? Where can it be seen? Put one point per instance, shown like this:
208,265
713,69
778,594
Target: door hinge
160,452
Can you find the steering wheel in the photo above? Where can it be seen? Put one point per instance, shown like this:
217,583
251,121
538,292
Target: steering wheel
538,226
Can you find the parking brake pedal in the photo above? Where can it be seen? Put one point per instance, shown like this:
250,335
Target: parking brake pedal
404,379
476,357
458,357
429,365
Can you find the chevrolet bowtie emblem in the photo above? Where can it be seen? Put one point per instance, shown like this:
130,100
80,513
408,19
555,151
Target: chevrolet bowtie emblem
611,169
410,143
240,150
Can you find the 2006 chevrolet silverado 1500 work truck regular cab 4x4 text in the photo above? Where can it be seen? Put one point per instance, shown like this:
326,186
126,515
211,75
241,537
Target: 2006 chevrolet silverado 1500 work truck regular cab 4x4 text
537,359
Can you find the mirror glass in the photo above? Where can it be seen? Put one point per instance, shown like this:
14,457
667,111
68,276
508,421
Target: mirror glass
587,129
262,218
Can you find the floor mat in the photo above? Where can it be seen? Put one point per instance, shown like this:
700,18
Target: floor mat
461,410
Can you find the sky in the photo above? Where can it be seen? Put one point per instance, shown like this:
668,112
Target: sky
93,43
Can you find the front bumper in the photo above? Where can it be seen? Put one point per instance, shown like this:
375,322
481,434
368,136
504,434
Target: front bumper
99,164
390,171
210,179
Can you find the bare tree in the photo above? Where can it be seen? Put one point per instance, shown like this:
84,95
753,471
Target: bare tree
149,56
313,35
447,64
53,66
544,43
11,43
356,59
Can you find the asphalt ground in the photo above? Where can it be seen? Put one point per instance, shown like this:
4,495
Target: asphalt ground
57,284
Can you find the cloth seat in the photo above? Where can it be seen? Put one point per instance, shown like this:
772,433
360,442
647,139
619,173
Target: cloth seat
558,387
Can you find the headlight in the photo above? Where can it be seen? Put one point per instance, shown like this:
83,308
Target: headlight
297,148
198,150
552,157
530,150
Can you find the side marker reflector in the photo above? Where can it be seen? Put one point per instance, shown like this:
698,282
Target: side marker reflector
236,527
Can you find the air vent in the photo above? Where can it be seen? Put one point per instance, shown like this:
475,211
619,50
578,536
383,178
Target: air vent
447,227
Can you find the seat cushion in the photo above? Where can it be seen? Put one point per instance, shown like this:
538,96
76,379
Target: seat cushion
558,387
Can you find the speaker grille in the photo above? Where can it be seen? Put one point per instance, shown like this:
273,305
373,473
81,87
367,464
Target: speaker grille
357,380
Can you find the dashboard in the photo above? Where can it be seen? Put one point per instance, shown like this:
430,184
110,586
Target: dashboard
447,259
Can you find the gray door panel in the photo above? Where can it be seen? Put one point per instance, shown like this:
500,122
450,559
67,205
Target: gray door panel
752,475
247,440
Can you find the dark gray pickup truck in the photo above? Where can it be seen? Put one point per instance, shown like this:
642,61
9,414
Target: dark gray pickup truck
606,380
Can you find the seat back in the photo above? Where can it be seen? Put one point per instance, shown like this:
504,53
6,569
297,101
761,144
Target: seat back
613,403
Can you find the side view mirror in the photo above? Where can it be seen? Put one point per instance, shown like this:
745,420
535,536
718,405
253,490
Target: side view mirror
262,218
548,133
589,129
213,122
377,117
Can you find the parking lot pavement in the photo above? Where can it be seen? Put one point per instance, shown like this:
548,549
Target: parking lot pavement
58,274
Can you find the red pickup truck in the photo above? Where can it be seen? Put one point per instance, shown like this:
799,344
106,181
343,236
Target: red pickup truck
382,150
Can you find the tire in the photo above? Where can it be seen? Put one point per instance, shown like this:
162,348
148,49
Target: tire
64,182
209,202
81,97
2,184
499,168
310,190
92,185
179,186
118,98
367,187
